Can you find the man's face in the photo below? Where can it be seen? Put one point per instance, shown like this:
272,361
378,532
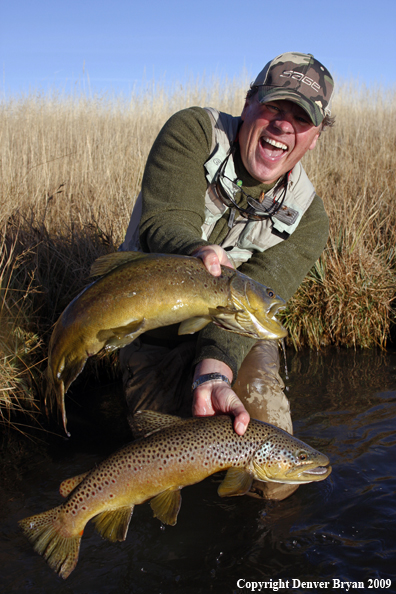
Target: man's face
274,136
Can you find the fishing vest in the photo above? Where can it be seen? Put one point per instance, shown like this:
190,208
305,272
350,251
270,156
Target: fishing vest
245,236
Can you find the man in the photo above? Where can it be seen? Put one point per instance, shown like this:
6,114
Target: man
232,191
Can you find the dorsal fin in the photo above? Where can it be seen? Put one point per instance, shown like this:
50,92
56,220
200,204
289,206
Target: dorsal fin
105,264
145,422
67,486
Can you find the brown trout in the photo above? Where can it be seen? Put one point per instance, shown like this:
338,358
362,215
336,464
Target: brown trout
140,292
171,454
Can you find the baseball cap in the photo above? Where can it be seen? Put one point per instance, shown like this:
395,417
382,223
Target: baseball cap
299,78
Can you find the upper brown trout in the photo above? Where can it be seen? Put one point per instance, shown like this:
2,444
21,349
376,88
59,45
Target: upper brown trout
171,454
140,292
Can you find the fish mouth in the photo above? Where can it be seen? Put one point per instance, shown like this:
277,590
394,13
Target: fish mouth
276,308
308,475
319,470
273,329
268,327
273,321
319,473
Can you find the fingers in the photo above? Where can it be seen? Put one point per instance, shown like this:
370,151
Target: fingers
214,398
241,420
213,257
202,402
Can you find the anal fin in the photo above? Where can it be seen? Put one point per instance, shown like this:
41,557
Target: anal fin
236,482
115,338
166,506
114,524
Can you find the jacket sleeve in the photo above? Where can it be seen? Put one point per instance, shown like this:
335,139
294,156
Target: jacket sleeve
174,185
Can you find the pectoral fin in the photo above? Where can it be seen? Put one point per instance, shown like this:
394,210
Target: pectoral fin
244,318
220,309
193,325
69,484
236,482
114,524
166,506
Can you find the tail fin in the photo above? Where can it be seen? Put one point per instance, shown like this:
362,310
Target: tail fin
60,552
57,386
55,393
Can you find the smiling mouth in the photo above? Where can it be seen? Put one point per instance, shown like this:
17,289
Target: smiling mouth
273,148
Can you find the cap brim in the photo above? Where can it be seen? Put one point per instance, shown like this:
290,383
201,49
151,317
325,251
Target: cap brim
266,94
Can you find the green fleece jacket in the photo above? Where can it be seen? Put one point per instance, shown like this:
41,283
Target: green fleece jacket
173,189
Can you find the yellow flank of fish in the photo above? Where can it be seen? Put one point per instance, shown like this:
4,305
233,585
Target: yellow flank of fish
139,292
173,453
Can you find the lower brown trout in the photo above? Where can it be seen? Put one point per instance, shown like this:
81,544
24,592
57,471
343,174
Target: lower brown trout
139,292
171,454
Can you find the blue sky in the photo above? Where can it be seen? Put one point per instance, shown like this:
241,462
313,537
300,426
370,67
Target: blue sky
120,45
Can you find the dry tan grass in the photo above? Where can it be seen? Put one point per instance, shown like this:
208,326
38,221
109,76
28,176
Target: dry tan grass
20,347
71,168
346,300
73,161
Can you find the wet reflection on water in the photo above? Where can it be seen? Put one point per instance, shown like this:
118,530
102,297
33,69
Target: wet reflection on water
343,403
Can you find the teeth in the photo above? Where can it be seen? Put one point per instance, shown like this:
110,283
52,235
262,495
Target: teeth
275,143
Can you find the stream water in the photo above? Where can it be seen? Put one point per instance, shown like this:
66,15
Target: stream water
336,531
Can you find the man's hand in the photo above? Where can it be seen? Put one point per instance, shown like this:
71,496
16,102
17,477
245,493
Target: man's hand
213,257
216,398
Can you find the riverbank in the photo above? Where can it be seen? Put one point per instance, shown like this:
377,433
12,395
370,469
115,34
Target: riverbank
71,168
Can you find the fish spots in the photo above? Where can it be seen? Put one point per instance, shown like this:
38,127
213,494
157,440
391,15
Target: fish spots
195,448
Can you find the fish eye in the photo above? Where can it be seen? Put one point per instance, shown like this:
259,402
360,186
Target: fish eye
270,293
302,456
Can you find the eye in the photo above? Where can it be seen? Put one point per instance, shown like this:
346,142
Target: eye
270,293
272,107
302,456
301,119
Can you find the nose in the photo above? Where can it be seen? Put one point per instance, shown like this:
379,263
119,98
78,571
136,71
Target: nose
283,121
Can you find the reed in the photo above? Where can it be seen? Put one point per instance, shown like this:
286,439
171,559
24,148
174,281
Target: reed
71,168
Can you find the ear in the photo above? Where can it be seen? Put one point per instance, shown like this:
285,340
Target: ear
244,110
314,141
